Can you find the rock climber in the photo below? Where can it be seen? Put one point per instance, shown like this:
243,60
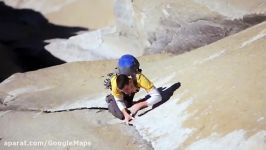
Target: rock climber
124,83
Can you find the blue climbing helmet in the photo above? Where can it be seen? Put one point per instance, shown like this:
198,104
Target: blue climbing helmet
128,65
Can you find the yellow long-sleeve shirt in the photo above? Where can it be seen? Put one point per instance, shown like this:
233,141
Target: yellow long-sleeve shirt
142,82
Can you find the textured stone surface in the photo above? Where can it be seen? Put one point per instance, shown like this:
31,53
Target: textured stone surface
220,103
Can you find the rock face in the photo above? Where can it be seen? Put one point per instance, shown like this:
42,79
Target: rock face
148,27
218,105
235,8
91,14
125,26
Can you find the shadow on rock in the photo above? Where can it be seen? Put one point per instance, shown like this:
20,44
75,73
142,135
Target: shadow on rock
166,94
22,39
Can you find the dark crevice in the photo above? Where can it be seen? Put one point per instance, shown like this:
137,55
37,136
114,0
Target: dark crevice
19,108
73,109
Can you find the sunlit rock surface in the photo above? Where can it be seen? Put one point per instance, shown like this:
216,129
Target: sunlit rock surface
219,103
91,14
143,27
148,27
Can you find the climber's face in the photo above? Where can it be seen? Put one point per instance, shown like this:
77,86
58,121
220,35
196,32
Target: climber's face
129,88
